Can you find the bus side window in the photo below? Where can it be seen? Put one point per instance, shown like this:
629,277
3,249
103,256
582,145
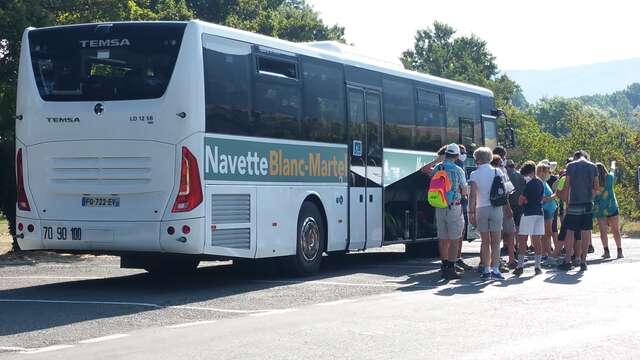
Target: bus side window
462,106
430,120
227,72
324,117
398,113
277,100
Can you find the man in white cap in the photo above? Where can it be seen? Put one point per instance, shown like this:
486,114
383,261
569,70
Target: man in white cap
450,221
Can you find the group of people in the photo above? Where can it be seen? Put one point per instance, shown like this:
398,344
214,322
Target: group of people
522,209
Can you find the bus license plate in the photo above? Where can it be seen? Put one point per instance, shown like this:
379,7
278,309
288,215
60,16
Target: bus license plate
61,233
100,201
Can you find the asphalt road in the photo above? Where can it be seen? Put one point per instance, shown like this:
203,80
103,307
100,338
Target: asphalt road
380,305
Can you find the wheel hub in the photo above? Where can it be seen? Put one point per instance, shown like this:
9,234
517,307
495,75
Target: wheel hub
310,239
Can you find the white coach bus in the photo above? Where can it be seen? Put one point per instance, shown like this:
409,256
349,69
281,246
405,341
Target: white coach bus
167,143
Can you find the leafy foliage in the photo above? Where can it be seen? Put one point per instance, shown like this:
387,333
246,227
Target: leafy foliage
623,105
464,58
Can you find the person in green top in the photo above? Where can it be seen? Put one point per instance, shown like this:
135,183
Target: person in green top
606,209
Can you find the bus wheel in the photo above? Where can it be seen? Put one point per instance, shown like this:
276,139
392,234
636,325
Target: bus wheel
310,241
170,265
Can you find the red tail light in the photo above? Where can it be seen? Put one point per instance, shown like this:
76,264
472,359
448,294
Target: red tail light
23,202
190,191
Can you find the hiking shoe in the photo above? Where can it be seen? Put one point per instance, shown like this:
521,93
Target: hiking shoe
450,274
620,256
591,250
485,276
497,275
566,266
463,265
606,254
518,271
538,271
583,267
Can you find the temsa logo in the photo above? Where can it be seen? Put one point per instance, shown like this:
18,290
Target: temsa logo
63,119
104,43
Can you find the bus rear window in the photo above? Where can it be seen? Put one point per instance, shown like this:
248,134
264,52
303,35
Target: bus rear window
101,62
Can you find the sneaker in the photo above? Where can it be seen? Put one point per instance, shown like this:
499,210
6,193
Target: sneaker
583,267
503,268
606,254
538,271
497,275
566,266
620,256
485,276
512,265
458,269
549,263
591,250
463,265
575,261
518,271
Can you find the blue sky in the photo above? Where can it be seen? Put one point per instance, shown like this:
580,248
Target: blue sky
525,34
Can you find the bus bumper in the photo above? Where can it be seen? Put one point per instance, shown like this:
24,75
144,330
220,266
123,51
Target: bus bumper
113,237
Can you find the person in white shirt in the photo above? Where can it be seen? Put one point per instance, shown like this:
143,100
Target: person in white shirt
486,217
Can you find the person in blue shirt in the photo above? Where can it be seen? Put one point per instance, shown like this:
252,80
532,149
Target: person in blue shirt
449,221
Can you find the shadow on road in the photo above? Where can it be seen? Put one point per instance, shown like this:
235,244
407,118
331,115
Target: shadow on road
220,281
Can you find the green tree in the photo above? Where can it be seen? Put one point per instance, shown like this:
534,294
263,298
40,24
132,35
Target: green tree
437,52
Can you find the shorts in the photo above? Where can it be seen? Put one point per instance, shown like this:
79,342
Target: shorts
548,215
614,214
508,225
532,225
450,222
489,219
563,231
577,223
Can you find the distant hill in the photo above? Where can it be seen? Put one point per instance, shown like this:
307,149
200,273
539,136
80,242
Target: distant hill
577,81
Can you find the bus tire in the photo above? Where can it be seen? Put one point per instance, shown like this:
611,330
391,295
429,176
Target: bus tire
428,249
170,265
309,241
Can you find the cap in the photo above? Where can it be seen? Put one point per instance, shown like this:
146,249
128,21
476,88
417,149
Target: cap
550,164
453,149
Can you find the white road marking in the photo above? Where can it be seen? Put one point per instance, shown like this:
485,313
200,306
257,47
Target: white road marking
103,338
339,283
337,302
12,348
51,277
273,312
123,303
45,349
195,323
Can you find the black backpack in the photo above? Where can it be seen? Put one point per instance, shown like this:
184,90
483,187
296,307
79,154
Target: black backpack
498,195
